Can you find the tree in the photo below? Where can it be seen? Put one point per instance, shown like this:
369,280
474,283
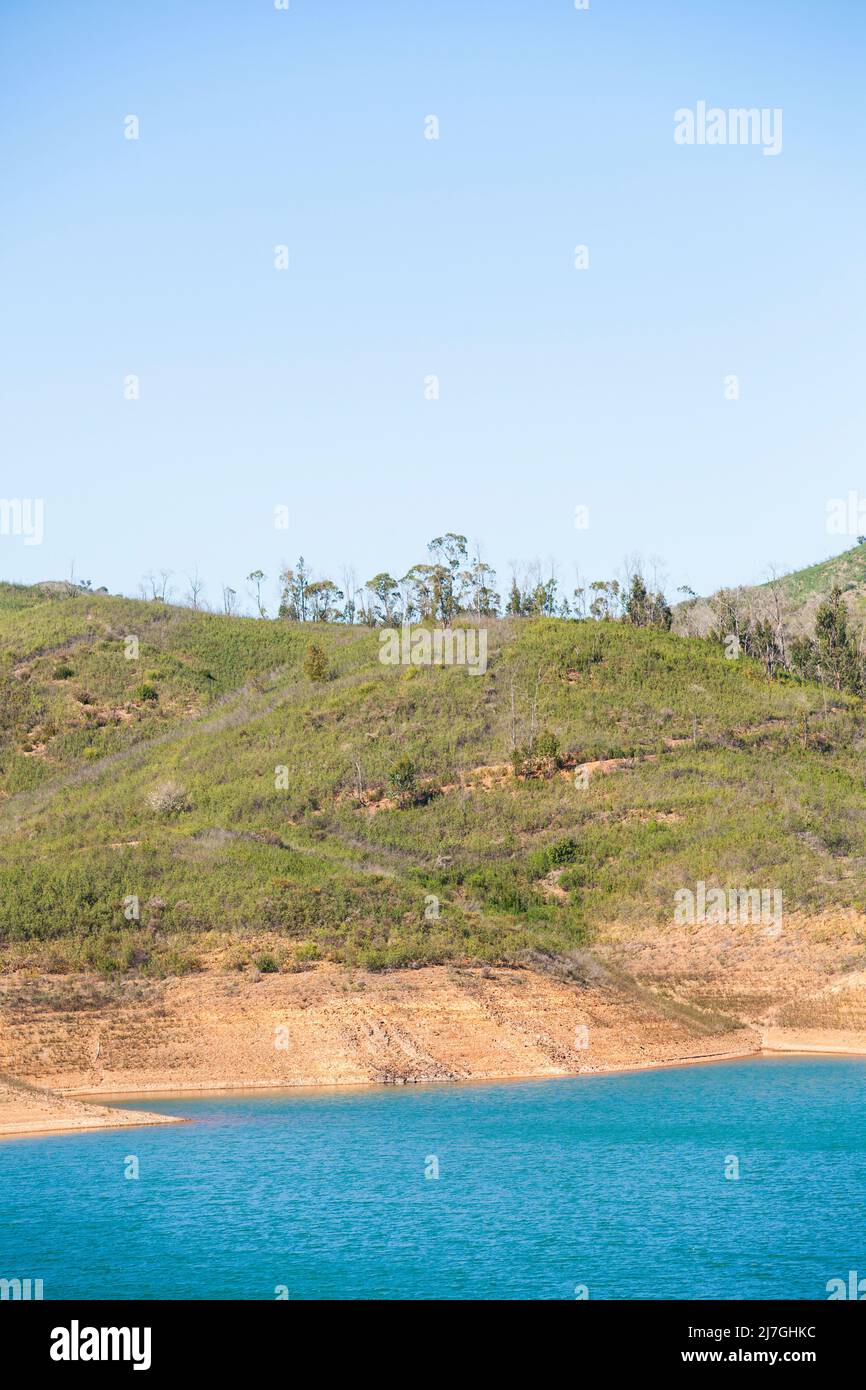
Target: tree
544,596
478,582
637,602
322,599
606,602
733,618
420,591
762,641
778,617
258,578
385,592
836,654
350,586
831,656
293,593
514,607
448,553
645,609
195,588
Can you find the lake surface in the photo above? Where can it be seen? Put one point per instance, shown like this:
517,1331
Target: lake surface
615,1183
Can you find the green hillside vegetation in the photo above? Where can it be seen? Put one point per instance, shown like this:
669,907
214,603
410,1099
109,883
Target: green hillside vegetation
788,603
846,572
272,794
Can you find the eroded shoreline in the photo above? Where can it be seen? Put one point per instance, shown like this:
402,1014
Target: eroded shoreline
97,1115
72,1045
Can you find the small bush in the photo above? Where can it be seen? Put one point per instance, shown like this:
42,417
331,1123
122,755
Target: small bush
500,886
539,758
62,672
315,663
561,853
538,863
146,692
168,799
173,961
403,780
266,963
546,745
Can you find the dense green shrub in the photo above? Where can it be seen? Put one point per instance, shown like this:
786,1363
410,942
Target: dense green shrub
403,779
316,663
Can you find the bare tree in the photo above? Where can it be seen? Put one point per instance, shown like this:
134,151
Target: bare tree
258,577
229,600
349,581
156,588
777,617
579,592
195,589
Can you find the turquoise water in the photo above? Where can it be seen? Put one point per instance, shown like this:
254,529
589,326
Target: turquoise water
612,1182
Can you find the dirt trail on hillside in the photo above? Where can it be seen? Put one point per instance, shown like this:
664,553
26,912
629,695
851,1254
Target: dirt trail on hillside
490,775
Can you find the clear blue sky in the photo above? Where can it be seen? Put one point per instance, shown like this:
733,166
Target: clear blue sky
410,257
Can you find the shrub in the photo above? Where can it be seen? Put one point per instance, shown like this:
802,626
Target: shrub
403,779
546,745
576,878
147,692
538,863
63,672
315,663
561,853
168,799
173,961
500,886
266,963
538,758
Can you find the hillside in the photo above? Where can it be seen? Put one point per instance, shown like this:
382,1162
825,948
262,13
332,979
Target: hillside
847,570
799,595
698,768
203,845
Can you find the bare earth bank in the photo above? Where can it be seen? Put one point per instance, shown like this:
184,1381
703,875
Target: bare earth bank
34,1110
330,1027
640,1000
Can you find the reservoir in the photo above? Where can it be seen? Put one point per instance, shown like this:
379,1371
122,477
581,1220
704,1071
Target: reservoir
739,1180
